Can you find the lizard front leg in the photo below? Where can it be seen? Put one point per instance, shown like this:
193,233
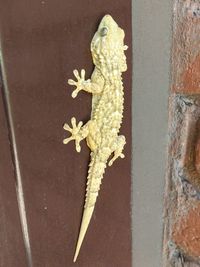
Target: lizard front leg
78,133
118,147
91,85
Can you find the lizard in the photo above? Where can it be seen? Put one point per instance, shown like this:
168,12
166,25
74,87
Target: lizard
102,130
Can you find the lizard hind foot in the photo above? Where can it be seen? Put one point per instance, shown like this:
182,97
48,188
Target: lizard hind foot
75,133
118,148
116,155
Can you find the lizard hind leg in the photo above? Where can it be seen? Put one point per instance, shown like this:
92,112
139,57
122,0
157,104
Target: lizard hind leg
118,148
78,133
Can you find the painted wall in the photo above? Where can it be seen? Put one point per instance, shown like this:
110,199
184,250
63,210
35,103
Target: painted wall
151,64
151,54
40,45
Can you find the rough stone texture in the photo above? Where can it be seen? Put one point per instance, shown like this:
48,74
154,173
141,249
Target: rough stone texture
182,197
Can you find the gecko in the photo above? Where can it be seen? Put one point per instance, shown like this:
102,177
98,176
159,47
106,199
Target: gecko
102,130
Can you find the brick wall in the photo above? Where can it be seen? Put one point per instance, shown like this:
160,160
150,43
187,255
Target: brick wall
182,194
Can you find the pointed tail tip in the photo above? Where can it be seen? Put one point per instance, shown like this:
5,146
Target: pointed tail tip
76,254
75,258
87,214
78,246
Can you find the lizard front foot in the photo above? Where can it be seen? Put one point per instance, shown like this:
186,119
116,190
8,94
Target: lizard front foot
80,82
75,133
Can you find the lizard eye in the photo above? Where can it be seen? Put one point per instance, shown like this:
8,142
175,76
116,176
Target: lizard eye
104,31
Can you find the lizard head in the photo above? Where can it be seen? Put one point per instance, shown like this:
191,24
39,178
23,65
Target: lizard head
108,47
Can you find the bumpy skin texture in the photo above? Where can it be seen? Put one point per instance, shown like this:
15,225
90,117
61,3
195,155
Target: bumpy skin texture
102,130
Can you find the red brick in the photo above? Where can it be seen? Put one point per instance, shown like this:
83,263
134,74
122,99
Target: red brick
186,232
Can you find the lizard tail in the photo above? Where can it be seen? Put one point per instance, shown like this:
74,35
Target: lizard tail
95,175
87,214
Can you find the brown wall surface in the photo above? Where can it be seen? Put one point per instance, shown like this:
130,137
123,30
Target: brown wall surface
42,42
12,251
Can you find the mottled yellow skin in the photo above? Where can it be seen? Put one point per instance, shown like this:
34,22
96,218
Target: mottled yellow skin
102,130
